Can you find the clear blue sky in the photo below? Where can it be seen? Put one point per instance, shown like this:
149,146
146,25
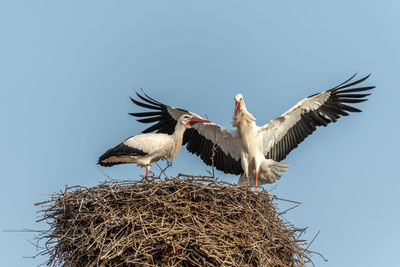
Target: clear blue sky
68,69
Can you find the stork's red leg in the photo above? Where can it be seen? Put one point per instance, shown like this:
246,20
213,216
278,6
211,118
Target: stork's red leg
147,174
256,180
248,181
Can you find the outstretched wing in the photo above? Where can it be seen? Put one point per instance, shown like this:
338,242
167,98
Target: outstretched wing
282,134
202,139
165,117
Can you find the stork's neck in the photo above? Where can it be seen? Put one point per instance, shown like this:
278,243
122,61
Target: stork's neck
244,121
178,139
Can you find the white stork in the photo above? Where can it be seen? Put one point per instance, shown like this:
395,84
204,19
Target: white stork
251,150
145,149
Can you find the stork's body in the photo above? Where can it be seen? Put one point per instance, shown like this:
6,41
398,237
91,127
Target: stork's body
252,151
147,148
252,157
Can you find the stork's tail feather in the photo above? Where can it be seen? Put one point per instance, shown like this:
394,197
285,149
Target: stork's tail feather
270,171
277,169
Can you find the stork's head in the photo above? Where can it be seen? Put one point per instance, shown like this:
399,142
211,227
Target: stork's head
188,120
239,104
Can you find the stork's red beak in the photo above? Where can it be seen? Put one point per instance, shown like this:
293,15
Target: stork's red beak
195,120
237,108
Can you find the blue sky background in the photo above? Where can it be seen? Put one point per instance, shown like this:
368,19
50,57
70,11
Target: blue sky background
68,69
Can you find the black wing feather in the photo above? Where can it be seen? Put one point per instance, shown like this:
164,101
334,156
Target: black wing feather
328,112
119,150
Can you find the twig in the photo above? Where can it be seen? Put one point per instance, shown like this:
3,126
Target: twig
283,212
287,200
105,174
162,171
312,240
24,231
193,176
319,254
172,252
65,193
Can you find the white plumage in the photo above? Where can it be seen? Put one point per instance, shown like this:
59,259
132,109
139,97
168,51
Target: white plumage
250,150
147,148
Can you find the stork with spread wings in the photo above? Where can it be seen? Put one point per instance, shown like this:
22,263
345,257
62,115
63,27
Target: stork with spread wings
252,151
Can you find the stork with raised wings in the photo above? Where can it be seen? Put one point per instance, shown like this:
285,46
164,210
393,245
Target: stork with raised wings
250,150
145,149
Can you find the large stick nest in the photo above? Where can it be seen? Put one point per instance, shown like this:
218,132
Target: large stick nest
167,223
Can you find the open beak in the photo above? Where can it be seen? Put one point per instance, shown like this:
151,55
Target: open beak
237,108
195,120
